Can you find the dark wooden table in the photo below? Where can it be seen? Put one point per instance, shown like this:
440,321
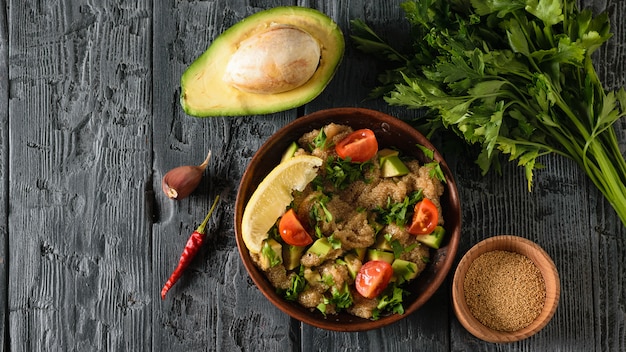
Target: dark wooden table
90,122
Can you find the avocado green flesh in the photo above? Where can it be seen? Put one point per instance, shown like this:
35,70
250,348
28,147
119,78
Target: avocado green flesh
385,153
404,270
353,263
393,166
434,239
321,247
382,244
204,93
377,254
276,249
289,152
292,255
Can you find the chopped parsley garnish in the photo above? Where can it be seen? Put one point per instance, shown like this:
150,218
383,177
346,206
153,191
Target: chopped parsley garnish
391,301
435,171
319,211
397,247
320,140
340,173
297,285
341,298
268,252
334,242
398,213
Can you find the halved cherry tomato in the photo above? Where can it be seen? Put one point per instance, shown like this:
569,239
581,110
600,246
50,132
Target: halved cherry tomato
425,218
359,146
292,231
373,278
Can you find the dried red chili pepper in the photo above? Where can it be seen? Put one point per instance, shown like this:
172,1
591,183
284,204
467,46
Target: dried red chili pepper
192,247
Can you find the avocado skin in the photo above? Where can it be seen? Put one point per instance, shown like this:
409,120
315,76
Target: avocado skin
205,94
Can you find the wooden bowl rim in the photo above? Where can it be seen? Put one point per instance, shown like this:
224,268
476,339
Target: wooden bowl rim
519,245
441,261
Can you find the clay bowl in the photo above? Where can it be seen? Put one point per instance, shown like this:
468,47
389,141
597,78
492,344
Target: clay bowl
389,131
513,244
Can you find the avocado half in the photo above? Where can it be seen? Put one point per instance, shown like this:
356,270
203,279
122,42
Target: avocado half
205,93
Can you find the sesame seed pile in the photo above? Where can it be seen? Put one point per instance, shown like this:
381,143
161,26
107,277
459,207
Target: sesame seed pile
504,290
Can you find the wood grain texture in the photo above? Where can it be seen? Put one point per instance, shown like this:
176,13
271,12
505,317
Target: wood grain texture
4,175
80,118
215,306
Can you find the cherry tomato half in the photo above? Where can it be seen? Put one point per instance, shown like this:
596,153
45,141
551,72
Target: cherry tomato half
292,231
425,218
359,146
373,278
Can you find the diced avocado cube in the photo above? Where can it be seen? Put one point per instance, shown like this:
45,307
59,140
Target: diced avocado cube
382,243
321,247
271,254
383,154
289,152
353,263
292,255
434,239
360,253
393,166
403,270
312,276
377,254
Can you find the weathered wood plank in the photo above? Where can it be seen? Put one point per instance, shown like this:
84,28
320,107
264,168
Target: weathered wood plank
608,234
4,175
80,117
215,306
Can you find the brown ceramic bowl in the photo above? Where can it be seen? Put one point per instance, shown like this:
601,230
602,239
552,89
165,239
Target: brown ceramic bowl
512,244
389,131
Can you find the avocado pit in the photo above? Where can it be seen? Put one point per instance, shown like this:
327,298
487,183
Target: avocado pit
277,60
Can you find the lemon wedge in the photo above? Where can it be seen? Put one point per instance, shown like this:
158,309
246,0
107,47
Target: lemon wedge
271,198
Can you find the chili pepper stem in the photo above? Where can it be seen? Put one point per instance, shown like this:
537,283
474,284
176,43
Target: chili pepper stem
192,247
201,229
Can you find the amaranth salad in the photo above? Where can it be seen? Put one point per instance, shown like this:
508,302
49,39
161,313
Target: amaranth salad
359,231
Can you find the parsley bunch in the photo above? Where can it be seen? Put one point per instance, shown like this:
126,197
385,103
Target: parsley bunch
514,77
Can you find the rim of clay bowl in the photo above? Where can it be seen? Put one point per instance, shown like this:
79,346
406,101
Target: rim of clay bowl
390,131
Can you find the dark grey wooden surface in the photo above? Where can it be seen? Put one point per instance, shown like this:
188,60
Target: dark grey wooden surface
90,122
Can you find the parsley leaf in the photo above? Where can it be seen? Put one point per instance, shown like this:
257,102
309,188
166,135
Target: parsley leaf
390,301
342,172
297,285
341,298
509,77
268,252
398,213
320,140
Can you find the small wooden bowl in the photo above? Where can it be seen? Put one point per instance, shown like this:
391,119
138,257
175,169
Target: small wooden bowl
512,244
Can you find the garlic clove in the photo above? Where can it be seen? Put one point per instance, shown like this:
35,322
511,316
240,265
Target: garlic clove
180,182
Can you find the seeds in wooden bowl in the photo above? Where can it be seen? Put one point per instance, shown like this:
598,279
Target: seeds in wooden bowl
504,290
